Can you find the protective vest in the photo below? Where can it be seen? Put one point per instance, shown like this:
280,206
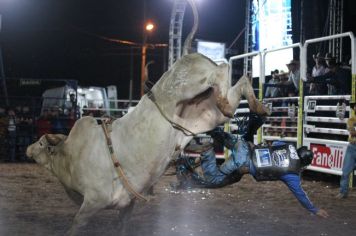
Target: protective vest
272,162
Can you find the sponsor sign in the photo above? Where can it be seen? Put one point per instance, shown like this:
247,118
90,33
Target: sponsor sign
280,158
213,50
263,157
29,82
329,156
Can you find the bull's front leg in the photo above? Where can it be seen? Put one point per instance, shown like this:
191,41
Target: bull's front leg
223,86
87,210
244,88
225,107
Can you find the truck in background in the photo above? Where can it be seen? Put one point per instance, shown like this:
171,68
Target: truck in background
82,99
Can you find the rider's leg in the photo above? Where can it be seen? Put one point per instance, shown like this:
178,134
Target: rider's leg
211,172
254,123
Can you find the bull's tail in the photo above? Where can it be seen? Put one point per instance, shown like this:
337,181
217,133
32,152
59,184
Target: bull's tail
188,42
147,84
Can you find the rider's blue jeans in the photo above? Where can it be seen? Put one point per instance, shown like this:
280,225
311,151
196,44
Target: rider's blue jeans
217,175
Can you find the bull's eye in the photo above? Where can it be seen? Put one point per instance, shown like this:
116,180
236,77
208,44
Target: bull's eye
41,144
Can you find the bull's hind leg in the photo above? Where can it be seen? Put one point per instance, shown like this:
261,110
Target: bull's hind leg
243,88
87,209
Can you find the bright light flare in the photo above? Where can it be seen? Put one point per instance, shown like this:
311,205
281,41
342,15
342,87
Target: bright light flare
149,26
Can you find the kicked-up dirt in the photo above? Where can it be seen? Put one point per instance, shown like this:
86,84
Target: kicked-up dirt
33,202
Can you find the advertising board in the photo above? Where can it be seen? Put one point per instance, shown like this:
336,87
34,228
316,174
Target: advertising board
328,155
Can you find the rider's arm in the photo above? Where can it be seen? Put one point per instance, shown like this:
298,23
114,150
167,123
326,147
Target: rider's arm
226,139
293,183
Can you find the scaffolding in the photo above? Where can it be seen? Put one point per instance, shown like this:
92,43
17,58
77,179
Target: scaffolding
175,31
247,69
3,87
336,8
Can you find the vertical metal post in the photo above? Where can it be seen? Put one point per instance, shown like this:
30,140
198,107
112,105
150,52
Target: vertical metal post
247,61
164,69
131,74
353,92
341,19
2,73
143,49
302,33
143,63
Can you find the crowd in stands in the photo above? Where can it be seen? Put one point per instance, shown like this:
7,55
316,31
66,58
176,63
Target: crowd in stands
22,125
19,127
328,77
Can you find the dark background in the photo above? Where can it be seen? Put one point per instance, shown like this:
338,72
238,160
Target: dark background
62,39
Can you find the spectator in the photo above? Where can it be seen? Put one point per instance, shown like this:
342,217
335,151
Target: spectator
331,88
71,119
293,78
73,101
11,134
339,78
44,124
318,70
73,105
3,133
24,131
85,110
271,91
350,155
56,121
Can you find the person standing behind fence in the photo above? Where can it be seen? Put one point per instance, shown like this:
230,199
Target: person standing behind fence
43,124
273,92
350,156
318,70
293,78
11,134
338,78
24,131
57,121
3,133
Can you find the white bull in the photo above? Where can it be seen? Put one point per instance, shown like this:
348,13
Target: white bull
194,94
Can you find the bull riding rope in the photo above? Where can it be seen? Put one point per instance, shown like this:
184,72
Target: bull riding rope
117,165
185,131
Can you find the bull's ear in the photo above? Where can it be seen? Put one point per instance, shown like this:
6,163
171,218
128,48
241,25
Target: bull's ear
223,65
52,139
224,68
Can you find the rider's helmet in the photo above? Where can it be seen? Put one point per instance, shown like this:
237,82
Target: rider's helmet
305,156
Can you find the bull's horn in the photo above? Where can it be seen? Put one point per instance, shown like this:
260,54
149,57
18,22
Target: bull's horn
52,139
188,41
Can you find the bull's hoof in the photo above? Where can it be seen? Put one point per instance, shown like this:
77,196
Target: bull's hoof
228,114
260,109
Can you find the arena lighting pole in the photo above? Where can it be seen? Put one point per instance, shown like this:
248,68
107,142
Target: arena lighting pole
2,74
148,28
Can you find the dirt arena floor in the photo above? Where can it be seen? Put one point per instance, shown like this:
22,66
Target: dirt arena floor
32,202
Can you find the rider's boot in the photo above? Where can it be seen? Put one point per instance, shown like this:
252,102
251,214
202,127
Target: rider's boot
186,175
254,123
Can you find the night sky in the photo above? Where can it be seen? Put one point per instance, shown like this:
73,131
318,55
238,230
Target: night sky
61,38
